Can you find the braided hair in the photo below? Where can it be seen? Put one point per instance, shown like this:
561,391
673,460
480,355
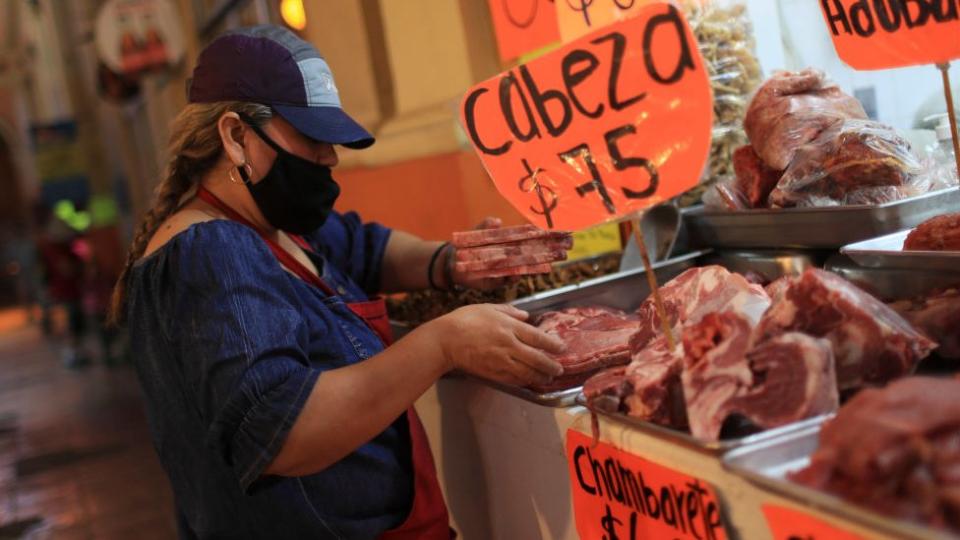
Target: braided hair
194,149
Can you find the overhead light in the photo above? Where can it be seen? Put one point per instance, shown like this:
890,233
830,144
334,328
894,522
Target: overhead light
293,14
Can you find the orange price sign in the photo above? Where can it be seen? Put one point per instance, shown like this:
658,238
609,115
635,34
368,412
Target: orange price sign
578,17
789,524
617,495
880,34
522,26
601,128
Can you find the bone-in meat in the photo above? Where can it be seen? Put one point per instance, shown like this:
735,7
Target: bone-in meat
785,379
595,338
895,450
871,342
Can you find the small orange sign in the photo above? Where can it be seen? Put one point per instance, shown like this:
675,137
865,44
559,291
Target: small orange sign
789,524
620,495
882,34
607,125
522,26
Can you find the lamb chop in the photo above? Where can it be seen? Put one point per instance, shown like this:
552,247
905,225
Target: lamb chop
896,450
872,344
790,109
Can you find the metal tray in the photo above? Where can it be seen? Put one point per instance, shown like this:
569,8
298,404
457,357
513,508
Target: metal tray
557,398
887,252
621,290
892,283
766,464
709,447
770,264
817,228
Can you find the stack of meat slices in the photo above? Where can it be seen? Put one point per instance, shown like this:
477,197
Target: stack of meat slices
771,356
510,251
895,450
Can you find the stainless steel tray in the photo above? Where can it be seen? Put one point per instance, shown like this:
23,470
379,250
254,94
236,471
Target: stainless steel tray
709,447
621,290
557,398
766,464
892,283
770,264
887,252
817,228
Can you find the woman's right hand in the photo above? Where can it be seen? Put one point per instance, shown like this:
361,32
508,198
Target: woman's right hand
495,342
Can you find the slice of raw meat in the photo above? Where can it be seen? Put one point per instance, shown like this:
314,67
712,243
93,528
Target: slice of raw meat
505,235
595,338
871,343
938,316
895,450
505,251
696,292
786,379
791,109
941,233
510,262
755,180
513,271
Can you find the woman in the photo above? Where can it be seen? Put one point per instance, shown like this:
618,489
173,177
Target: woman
275,404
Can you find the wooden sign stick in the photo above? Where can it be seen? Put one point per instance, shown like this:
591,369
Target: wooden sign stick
652,280
951,114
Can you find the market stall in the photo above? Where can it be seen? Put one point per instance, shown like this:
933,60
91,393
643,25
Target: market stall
807,305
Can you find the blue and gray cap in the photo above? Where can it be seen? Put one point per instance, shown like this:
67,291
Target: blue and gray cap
270,65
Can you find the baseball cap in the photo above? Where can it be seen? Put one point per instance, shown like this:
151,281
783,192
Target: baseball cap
270,65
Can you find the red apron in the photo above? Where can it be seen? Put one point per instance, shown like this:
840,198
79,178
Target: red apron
428,519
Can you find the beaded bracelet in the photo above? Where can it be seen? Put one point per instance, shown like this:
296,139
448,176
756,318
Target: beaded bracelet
433,260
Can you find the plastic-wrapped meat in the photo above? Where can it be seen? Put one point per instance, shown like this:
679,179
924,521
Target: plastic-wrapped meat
851,162
938,316
595,338
790,109
895,450
786,379
697,292
871,342
754,180
941,233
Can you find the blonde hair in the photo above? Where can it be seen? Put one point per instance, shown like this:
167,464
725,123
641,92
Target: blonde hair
194,149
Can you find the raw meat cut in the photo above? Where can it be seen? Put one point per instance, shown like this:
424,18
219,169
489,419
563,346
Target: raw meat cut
696,292
505,235
895,450
509,262
505,251
648,388
851,162
791,109
786,379
941,233
595,338
871,343
938,316
754,180
776,289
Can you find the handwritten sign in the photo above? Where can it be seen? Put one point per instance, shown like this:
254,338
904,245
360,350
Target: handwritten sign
609,124
789,524
879,34
522,26
578,17
620,496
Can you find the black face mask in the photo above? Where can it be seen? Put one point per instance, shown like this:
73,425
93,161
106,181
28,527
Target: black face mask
296,195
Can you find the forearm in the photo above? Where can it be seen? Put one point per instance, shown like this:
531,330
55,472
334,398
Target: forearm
350,406
405,263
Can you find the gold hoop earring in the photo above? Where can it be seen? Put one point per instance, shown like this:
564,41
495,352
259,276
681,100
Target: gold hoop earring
232,170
